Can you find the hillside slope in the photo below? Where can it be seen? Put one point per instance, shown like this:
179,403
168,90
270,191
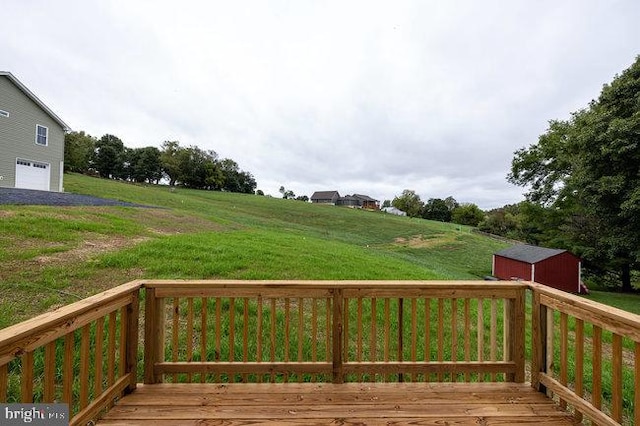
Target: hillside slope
53,255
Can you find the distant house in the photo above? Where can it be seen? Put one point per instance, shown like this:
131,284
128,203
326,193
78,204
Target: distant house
354,201
31,139
349,201
553,267
367,202
325,197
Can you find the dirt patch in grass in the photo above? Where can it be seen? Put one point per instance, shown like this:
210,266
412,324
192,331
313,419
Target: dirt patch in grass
89,249
420,241
30,257
42,274
170,222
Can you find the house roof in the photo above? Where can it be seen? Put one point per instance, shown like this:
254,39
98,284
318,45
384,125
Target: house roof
529,254
364,197
324,195
35,99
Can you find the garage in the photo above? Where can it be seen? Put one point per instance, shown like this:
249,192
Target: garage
32,174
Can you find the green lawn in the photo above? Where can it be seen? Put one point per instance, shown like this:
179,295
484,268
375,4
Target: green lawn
55,255
52,256
628,302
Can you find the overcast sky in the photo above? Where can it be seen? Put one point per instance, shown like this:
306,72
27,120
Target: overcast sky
368,97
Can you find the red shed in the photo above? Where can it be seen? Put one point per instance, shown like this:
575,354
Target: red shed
553,267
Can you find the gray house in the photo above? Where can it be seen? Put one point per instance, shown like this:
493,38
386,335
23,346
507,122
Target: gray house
31,139
325,197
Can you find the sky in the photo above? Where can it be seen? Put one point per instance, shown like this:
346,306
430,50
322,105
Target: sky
364,96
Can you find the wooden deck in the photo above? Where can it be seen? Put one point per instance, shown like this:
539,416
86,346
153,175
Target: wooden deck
336,404
229,352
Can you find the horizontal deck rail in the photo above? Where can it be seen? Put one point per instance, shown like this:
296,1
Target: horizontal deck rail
224,331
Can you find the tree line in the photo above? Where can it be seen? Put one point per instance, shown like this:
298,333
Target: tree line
443,210
191,167
583,185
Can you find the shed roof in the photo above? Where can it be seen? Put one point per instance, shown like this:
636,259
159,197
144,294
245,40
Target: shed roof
529,254
12,78
324,195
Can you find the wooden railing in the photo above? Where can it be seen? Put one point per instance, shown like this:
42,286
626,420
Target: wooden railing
87,354
84,354
333,331
587,356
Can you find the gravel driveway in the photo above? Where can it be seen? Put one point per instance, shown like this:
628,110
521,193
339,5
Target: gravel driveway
46,198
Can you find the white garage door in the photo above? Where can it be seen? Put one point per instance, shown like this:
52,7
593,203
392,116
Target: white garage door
32,174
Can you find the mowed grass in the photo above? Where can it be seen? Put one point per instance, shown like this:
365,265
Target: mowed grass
261,254
625,301
53,256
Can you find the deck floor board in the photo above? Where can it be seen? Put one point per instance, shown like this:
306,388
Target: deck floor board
343,404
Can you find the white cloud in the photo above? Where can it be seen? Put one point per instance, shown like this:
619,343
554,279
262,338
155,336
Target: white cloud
362,96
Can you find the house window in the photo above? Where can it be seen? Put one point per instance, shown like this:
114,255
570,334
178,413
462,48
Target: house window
42,135
4,113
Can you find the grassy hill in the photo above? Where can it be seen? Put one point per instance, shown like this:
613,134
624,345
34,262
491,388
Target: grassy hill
55,255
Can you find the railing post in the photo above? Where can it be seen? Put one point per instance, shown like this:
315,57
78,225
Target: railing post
538,342
400,335
153,336
338,318
507,343
133,317
516,330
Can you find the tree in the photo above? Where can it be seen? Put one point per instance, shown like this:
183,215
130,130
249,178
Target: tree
587,168
144,164
79,149
467,214
501,221
436,209
199,169
108,156
303,198
451,203
386,203
286,193
545,166
409,202
170,160
247,184
235,180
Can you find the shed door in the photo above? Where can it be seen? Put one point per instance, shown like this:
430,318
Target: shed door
32,174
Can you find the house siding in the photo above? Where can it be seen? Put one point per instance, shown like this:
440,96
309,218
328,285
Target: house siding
18,136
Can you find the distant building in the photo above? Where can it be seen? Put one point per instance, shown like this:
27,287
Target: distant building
31,139
393,210
367,202
349,201
355,200
325,197
553,267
